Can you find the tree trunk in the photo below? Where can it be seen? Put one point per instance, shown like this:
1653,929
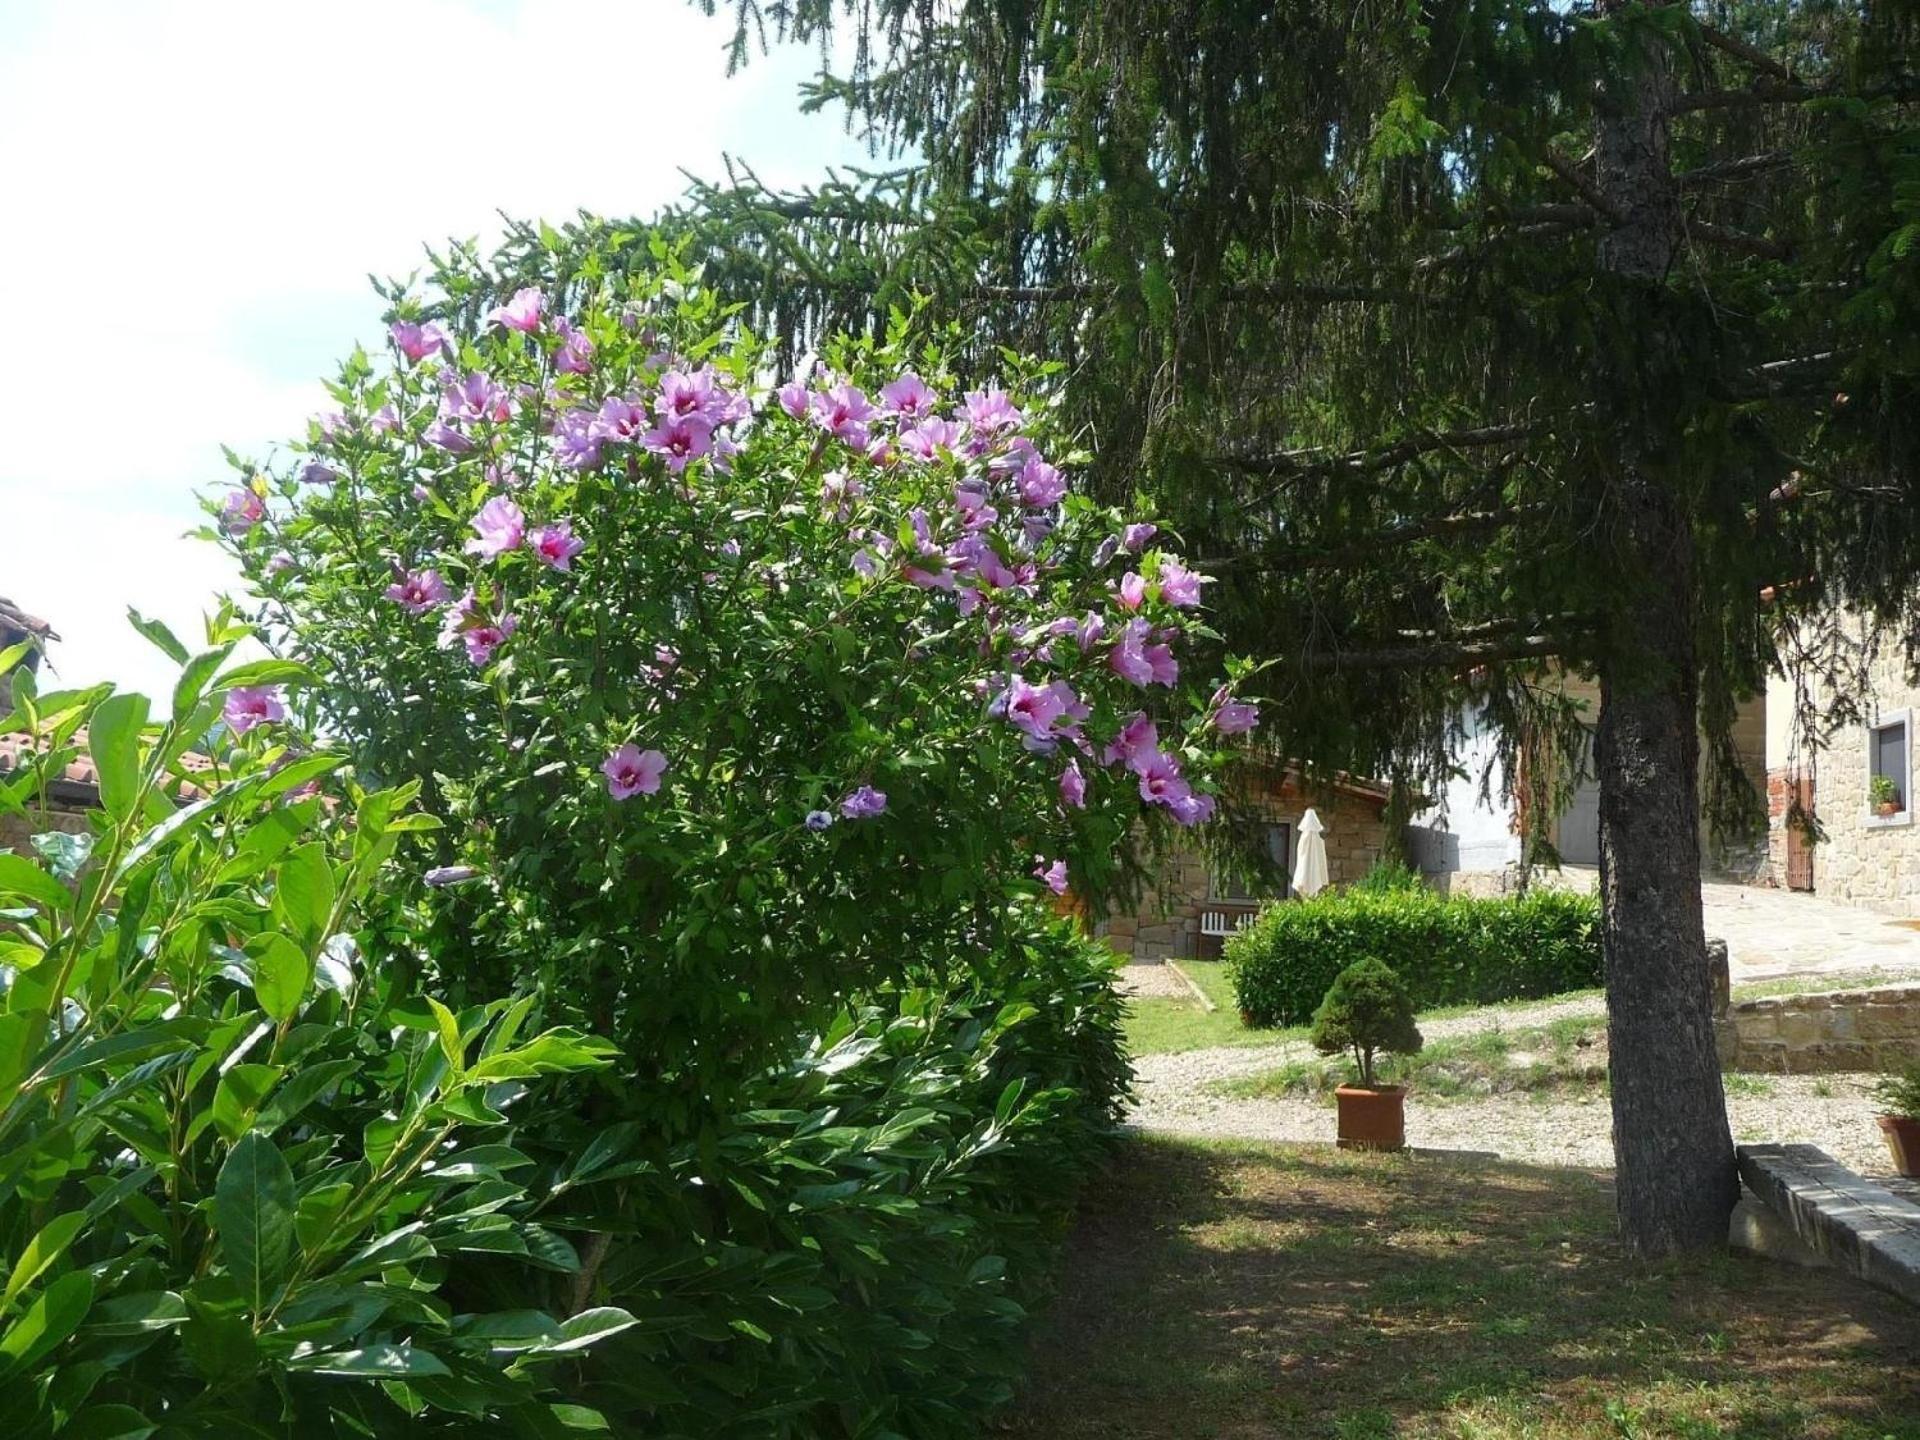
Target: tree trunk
1675,1176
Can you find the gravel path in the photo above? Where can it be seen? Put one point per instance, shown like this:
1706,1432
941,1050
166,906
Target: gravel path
1175,1095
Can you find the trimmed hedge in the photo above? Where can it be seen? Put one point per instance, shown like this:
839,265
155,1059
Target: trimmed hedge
1450,950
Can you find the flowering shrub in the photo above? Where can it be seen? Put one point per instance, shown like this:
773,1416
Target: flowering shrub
236,1157
741,698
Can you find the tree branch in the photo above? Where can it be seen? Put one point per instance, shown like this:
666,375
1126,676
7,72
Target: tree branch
1725,239
1297,463
1742,51
1448,654
1336,552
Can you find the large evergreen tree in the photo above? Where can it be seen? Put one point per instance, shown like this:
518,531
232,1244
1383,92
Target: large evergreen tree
1465,339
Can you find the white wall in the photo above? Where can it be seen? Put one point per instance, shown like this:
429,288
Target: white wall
1473,834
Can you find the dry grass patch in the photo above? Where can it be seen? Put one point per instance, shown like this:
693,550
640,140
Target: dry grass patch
1241,1292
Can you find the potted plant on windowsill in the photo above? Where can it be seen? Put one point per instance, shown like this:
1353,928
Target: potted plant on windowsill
1899,1098
1883,795
1367,1012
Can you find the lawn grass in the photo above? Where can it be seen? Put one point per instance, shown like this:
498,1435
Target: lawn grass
1566,1057
1238,1292
1163,1027
1810,984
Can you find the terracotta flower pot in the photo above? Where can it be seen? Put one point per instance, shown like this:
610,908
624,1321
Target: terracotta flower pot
1887,807
1372,1119
1903,1139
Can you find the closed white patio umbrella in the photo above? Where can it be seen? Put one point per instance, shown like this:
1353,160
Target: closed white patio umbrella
1310,868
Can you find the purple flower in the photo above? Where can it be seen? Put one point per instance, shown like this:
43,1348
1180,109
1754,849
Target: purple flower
500,526
632,771
1191,809
864,803
926,440
843,413
576,439
575,355
476,397
621,418
1133,591
1128,658
331,425
1135,537
482,634
1073,786
1139,739
682,394
793,398
1179,585
443,436
1160,780
1041,485
383,421
315,472
989,411
677,441
443,875
279,563
418,591
818,820
1104,552
556,544
908,397
1236,717
521,313
417,341
252,705
1055,874
243,510
1034,708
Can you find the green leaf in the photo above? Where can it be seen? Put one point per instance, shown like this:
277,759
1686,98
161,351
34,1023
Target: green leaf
307,1085
40,1252
107,1422
113,740
587,1328
265,672
451,1045
128,1045
376,1362
303,894
20,876
242,1091
192,684
282,973
163,638
558,1050
54,1315
253,1204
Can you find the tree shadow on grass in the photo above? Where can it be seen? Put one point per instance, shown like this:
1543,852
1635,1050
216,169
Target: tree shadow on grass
1240,1291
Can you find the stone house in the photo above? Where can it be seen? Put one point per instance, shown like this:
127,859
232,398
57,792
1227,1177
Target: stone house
1191,906
1467,845
1858,788
71,794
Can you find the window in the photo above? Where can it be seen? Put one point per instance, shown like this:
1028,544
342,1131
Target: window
1280,851
1889,771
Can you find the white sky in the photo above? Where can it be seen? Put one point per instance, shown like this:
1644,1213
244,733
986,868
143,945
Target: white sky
195,191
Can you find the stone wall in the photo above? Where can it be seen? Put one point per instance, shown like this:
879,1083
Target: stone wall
1166,925
1861,859
1870,1030
16,831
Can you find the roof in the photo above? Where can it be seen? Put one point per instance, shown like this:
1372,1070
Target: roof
17,621
1375,792
79,782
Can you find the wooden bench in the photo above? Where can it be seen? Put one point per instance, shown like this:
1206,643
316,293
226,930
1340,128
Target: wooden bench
1851,1223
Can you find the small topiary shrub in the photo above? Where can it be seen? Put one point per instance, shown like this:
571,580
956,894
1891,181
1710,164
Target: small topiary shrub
1367,1011
1451,951
1899,1095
